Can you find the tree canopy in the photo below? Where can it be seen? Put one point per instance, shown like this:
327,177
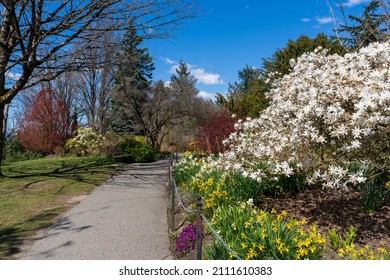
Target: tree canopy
247,96
370,27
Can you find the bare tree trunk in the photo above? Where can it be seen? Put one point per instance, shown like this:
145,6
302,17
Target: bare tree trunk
3,129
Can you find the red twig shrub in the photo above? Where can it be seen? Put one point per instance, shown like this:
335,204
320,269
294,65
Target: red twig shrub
46,124
211,134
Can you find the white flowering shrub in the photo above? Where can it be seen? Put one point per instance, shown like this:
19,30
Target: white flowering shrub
85,142
328,119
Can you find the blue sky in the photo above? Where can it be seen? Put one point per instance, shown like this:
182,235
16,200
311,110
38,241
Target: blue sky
230,34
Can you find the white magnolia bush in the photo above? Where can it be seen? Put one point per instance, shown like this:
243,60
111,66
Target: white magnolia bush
85,141
329,119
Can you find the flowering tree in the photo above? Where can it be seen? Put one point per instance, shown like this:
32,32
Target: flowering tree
329,119
46,123
85,141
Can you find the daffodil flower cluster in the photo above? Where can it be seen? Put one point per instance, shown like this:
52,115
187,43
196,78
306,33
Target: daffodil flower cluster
364,253
255,234
329,113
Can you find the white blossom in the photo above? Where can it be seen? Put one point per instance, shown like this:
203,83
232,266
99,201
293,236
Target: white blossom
330,111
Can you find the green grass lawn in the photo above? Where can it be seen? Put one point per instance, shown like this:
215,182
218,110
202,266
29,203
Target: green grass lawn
34,193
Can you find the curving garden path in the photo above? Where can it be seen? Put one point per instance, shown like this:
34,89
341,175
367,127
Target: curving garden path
123,219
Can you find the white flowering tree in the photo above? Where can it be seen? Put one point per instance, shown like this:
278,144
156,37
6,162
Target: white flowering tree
85,142
329,119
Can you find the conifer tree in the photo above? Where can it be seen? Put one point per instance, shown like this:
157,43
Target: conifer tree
369,28
183,85
133,78
183,82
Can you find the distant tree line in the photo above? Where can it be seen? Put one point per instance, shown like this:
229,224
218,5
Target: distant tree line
103,79
247,97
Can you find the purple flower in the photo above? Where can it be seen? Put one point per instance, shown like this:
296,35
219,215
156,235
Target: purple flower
186,240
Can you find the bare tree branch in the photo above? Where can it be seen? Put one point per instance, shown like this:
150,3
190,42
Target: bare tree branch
335,25
37,37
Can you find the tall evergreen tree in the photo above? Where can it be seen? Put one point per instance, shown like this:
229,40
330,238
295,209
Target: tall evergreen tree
183,82
193,109
136,65
183,85
369,28
133,78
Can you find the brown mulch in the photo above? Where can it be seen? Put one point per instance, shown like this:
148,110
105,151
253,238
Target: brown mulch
337,209
330,209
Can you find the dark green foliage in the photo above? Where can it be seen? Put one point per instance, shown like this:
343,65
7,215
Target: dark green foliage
136,151
373,193
183,83
242,188
273,186
369,28
135,62
184,90
121,126
132,78
246,97
280,60
282,185
14,152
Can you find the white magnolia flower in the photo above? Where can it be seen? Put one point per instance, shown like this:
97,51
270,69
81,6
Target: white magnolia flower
330,111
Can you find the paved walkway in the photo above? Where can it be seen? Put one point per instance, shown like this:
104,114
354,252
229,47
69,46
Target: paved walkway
124,219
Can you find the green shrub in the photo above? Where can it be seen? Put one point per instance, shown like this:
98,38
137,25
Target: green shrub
86,142
242,188
14,152
135,150
283,185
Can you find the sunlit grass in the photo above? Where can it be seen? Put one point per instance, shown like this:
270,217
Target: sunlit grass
33,193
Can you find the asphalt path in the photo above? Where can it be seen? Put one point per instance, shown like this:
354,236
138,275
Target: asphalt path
124,219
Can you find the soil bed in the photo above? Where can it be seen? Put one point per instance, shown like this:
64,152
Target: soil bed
337,209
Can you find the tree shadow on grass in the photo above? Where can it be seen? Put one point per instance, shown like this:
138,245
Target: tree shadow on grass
63,170
9,242
12,238
76,172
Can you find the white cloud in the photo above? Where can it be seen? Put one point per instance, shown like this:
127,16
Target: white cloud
168,60
324,20
305,19
204,77
206,95
200,74
352,3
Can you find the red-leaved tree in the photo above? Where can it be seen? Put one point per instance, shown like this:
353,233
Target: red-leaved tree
46,123
213,132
